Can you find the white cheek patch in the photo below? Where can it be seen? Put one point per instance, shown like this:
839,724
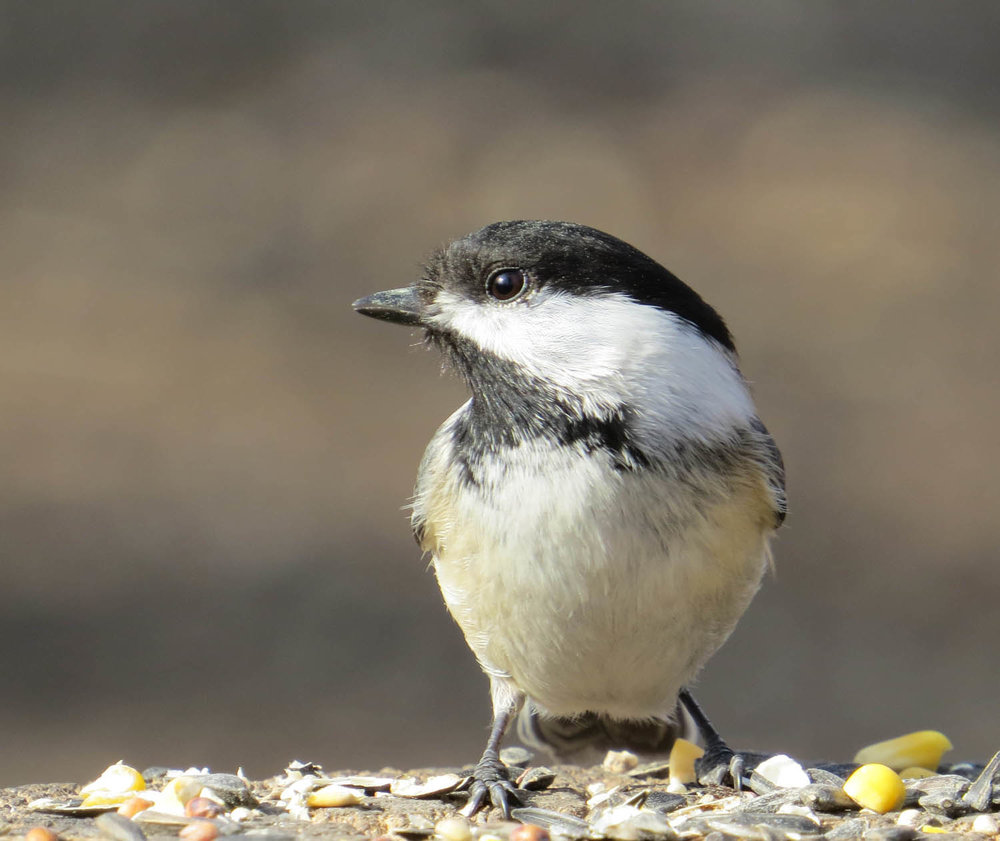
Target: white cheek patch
609,351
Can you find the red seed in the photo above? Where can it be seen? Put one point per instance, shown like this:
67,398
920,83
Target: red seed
40,833
529,832
203,807
131,807
199,831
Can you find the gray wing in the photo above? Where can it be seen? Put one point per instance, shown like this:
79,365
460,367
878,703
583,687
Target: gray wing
774,469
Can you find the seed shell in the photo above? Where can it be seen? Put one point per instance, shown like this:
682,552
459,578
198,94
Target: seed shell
119,828
433,787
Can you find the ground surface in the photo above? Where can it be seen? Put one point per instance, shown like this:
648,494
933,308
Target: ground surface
593,803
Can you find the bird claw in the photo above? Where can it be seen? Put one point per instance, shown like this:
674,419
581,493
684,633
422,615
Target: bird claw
721,766
491,785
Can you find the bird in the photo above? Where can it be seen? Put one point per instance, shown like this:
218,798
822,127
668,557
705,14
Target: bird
599,513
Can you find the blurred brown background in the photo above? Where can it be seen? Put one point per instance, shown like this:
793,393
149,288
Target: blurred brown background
205,452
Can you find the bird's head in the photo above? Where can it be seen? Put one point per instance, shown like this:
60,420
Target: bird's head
569,315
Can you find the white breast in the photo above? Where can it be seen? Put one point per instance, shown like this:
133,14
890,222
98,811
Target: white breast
587,588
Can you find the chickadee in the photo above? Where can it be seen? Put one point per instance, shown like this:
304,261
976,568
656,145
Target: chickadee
599,512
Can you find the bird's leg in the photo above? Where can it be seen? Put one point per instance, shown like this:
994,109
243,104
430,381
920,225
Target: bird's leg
720,762
490,780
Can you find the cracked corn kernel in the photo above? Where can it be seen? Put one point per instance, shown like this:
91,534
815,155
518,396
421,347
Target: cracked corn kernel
682,757
876,787
105,798
915,772
923,749
116,779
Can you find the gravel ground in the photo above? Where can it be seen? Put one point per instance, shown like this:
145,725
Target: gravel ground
575,803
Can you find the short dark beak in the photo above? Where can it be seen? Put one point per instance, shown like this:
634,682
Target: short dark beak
401,306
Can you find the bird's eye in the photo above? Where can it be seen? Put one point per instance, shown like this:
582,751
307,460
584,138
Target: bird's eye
506,284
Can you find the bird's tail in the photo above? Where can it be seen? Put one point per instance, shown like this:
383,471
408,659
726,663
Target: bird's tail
585,739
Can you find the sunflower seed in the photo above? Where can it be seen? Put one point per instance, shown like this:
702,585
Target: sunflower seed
628,823
980,793
824,777
536,779
826,798
848,830
516,756
761,785
232,790
369,784
553,821
891,833
119,828
651,769
663,801
771,802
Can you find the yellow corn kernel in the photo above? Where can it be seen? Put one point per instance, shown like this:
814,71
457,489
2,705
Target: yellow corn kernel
682,757
932,830
106,798
116,779
923,748
915,772
876,787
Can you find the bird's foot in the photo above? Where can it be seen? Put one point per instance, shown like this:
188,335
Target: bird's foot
721,766
491,785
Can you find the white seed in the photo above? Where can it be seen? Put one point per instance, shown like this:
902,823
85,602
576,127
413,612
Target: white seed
783,771
620,761
333,796
301,786
986,824
453,829
800,810
629,823
176,794
602,796
910,817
